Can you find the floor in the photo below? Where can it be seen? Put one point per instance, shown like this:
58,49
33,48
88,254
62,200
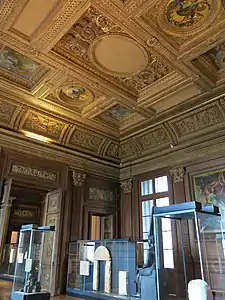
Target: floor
5,291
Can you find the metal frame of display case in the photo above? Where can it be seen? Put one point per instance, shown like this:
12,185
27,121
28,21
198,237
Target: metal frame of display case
179,212
23,294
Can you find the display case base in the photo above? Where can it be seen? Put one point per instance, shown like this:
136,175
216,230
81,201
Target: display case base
94,295
32,296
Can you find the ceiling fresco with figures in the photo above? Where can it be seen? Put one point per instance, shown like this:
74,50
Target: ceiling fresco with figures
115,79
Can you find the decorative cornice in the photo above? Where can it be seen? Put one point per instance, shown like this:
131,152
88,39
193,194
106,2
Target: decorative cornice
177,174
127,186
78,178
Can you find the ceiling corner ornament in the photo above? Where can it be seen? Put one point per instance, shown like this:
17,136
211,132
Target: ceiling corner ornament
75,95
78,178
187,16
177,174
127,186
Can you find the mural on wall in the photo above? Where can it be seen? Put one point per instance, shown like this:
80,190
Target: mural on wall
17,63
210,188
186,13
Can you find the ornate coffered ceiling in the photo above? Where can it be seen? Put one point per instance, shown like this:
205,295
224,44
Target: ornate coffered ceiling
111,78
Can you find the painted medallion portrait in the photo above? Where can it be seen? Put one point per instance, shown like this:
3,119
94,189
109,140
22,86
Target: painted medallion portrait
187,13
17,63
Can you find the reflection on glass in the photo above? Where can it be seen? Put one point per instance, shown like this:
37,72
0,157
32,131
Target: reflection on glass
166,224
146,224
168,259
161,184
167,240
162,202
146,188
147,208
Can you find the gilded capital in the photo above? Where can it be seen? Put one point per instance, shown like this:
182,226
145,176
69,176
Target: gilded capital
127,186
78,178
177,174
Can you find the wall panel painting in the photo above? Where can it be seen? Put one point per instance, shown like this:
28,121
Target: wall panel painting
209,187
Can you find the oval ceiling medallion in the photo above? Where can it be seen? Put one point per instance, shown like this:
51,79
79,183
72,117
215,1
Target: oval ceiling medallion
185,16
75,95
118,55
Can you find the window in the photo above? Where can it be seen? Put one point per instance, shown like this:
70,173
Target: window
155,192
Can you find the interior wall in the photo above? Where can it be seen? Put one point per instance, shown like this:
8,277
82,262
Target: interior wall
182,190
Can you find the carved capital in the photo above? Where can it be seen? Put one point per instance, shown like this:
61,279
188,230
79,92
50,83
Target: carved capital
78,178
127,186
177,174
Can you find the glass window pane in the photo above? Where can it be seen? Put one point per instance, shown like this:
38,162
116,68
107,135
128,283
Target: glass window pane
146,224
145,256
145,235
166,224
162,201
168,259
167,240
146,188
161,184
147,208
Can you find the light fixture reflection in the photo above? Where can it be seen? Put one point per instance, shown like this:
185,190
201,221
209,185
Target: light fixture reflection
37,137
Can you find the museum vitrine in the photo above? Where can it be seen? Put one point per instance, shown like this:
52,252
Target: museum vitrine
110,269
202,259
34,262
102,268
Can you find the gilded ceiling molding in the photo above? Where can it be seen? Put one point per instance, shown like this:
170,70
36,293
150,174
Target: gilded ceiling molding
177,174
127,186
78,178
47,39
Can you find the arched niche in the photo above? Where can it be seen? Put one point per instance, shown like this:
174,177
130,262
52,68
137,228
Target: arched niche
102,254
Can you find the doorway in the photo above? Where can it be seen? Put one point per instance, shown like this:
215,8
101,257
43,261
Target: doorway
25,207
101,227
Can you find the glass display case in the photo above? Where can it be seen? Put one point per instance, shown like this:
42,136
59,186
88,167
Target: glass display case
34,260
202,258
7,266
102,269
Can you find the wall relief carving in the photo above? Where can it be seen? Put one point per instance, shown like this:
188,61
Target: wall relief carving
7,111
34,172
100,195
85,140
157,137
113,150
44,125
198,121
22,213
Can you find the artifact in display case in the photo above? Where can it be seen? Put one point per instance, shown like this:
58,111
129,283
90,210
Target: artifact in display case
196,223
102,269
34,262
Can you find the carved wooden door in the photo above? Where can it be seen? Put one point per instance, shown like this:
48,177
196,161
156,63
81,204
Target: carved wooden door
52,216
5,207
107,231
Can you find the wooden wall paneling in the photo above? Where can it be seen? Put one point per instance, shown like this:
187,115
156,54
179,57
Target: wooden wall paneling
126,209
53,216
78,186
179,196
65,228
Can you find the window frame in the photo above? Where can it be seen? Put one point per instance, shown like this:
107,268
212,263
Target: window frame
154,196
